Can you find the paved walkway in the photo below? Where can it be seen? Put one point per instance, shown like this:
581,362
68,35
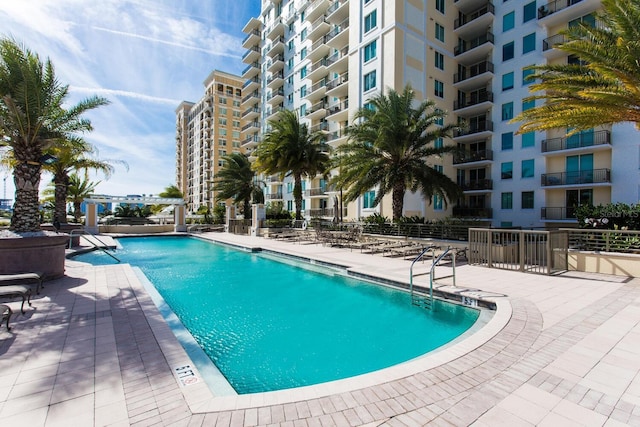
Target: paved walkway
559,351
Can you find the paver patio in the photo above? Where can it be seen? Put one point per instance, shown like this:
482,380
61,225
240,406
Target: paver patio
560,351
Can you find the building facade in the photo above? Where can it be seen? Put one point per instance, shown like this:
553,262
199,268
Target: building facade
205,132
325,59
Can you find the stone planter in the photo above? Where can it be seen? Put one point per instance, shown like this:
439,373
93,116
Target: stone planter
44,252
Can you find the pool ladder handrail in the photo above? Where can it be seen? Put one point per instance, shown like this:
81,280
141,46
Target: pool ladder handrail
101,248
432,269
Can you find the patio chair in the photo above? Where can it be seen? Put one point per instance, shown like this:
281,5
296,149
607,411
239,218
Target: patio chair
23,278
5,314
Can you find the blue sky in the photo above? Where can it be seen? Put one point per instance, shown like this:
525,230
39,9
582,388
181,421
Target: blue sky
145,56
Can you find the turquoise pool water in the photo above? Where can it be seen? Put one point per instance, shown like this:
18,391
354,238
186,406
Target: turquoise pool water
269,324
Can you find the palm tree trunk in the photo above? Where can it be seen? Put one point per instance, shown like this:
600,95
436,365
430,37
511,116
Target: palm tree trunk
77,211
297,194
247,209
397,200
60,209
26,210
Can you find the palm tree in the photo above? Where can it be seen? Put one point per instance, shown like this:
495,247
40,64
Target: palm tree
171,192
78,189
72,156
604,87
388,147
289,149
33,121
236,180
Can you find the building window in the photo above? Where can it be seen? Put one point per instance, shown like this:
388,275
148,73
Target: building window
370,81
528,167
526,105
370,51
529,11
506,170
438,88
507,51
440,6
507,111
290,63
507,81
508,21
222,132
290,80
527,200
222,101
526,72
303,53
368,199
528,139
507,141
222,121
303,72
370,21
223,111
289,187
437,202
439,60
367,1
439,143
529,43
303,34
303,110
506,201
303,91
439,32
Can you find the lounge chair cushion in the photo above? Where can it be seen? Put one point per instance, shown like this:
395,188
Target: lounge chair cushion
23,291
21,278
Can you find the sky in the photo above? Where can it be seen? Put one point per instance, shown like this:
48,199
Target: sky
145,57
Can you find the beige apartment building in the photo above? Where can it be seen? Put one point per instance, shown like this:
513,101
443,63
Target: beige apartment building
205,132
325,59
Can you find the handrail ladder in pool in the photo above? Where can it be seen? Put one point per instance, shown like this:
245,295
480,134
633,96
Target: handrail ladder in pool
102,248
420,300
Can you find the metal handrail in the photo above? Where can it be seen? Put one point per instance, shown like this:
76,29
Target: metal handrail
432,270
94,245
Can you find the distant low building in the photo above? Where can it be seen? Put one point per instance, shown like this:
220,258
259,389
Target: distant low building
6,204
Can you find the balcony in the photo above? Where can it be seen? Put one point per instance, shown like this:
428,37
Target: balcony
319,28
579,140
252,24
473,157
276,96
251,141
474,99
317,111
558,214
317,90
475,49
320,127
316,9
251,55
319,49
315,192
593,176
467,212
251,84
477,185
251,70
318,69
275,80
251,113
474,129
276,29
339,35
253,38
478,19
341,109
274,196
334,138
275,64
251,125
558,11
337,62
252,98
277,47
273,113
473,76
333,85
338,11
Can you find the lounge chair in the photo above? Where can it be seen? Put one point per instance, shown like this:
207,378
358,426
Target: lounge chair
5,314
23,291
23,278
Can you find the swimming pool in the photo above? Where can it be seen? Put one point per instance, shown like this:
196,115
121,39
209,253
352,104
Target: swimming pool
272,323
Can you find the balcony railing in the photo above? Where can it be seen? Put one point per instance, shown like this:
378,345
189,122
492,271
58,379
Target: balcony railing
555,6
476,156
579,140
473,70
274,196
465,19
467,45
248,82
551,42
325,212
486,126
249,51
473,99
592,176
250,66
558,213
337,29
279,75
255,94
250,125
251,110
480,184
338,81
320,191
463,211
338,107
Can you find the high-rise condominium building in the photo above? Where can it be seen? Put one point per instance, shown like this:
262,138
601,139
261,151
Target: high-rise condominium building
325,59
205,132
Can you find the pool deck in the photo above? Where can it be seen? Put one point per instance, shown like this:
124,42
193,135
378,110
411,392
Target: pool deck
559,351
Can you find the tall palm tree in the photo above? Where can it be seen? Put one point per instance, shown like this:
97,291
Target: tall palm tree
72,156
237,180
289,149
32,121
78,189
388,148
604,87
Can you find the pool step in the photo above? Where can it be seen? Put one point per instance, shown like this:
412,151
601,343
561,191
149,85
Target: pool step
421,301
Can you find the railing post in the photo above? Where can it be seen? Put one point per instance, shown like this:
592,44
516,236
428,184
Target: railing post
549,252
489,248
521,248
606,240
